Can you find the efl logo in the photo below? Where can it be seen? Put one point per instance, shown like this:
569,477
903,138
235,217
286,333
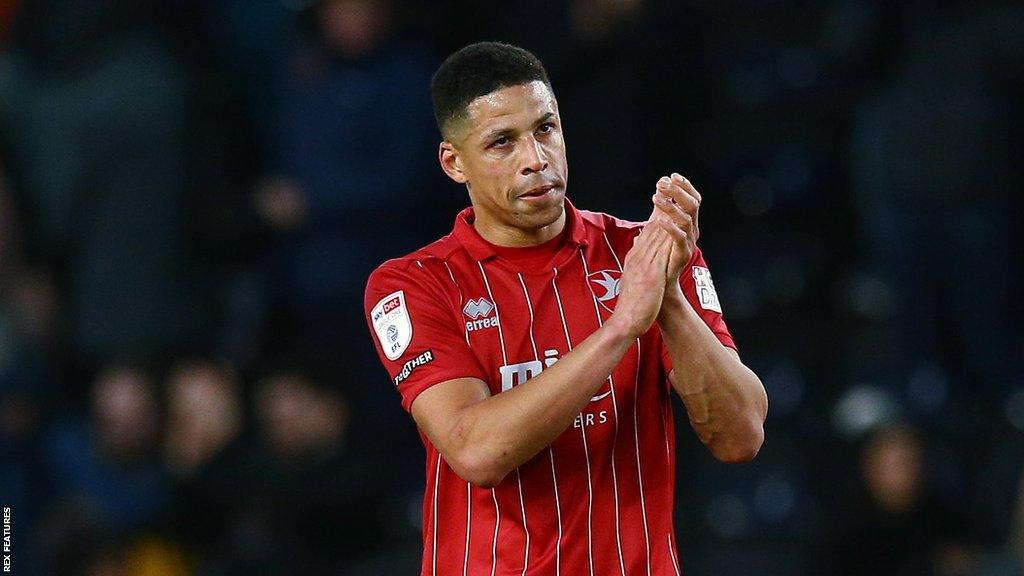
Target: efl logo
392,324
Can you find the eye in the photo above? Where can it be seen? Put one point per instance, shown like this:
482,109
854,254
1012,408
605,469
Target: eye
546,127
501,142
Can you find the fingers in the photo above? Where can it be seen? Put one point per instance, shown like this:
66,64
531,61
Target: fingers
656,241
679,180
674,212
680,191
676,204
648,262
666,237
652,240
688,187
678,234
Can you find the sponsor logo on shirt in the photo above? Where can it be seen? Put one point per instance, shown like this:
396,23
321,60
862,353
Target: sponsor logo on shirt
706,294
411,365
479,311
606,285
516,374
391,322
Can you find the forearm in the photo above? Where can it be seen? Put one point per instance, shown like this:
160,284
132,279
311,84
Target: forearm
503,431
725,401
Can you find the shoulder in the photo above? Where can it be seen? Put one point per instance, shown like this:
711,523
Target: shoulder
617,230
420,270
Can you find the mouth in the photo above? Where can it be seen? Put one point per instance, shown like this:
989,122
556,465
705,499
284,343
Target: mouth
538,192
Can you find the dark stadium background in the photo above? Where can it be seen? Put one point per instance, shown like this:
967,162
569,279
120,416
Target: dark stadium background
193,192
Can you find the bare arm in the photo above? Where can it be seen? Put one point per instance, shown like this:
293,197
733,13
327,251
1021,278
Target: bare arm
725,401
484,437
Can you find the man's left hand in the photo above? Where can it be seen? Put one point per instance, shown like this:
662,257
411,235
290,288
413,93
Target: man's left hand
676,200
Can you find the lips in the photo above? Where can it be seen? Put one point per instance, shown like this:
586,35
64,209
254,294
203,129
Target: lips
538,191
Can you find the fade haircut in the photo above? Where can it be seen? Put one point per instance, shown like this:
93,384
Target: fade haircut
476,70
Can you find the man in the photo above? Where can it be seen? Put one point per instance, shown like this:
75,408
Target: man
535,347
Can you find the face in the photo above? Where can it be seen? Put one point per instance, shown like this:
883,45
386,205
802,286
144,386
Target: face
893,469
510,154
298,417
125,411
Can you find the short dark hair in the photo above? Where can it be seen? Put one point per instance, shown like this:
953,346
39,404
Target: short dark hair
480,69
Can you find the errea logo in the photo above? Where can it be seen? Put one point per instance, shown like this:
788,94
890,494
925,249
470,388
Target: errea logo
478,308
479,311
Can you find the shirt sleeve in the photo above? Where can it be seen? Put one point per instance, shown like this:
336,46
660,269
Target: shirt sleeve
417,337
699,289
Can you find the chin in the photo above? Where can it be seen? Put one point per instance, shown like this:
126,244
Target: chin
543,216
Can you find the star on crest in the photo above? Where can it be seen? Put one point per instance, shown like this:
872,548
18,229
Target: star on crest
611,286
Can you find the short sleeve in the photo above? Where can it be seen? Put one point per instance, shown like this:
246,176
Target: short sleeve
417,337
699,289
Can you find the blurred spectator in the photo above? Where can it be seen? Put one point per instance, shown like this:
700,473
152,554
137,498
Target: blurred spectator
96,104
27,380
300,419
892,525
306,497
353,185
932,168
204,414
109,461
356,100
204,422
28,298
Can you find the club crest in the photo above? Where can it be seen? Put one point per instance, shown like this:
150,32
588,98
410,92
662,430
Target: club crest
606,284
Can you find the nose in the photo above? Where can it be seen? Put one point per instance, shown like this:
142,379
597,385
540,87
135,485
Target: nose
534,158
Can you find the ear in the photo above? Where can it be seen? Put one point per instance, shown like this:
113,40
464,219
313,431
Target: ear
450,161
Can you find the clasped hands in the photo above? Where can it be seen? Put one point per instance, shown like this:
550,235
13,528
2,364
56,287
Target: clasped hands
650,277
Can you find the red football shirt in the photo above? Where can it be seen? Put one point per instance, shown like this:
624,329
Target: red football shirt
598,500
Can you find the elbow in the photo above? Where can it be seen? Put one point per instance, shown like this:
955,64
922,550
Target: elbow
484,478
742,448
746,443
477,469
481,463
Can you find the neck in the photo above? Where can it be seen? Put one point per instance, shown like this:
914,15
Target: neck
502,234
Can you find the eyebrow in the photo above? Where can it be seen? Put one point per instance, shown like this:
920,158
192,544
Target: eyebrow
501,132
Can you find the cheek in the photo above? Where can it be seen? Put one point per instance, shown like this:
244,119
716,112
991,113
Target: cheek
484,168
556,150
499,175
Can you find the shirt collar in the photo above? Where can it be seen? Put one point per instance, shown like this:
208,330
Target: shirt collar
481,249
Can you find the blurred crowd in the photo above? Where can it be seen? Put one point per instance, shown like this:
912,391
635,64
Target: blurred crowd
193,193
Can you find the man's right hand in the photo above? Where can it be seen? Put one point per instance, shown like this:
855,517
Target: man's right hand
643,279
